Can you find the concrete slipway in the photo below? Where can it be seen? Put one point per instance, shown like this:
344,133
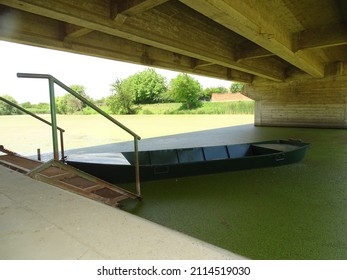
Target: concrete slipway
289,212
39,221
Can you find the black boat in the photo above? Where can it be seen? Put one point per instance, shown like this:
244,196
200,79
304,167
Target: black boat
175,163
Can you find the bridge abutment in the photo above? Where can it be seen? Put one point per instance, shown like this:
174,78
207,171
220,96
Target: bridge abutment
302,101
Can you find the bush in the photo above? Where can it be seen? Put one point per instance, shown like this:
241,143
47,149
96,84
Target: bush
68,104
7,109
236,87
122,98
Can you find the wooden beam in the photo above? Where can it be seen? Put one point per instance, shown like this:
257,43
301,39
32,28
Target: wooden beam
252,53
167,32
45,32
151,28
342,6
74,31
323,36
121,10
133,7
199,63
253,21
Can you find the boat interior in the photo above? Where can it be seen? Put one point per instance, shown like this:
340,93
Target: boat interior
187,155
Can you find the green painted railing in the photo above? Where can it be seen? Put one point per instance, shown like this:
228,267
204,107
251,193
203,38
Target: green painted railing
51,81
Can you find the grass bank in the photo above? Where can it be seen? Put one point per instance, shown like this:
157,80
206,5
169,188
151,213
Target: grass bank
212,108
215,108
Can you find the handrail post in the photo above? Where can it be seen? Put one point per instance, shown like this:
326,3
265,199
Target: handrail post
53,118
137,167
62,144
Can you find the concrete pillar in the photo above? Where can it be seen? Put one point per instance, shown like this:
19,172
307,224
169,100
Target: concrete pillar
302,101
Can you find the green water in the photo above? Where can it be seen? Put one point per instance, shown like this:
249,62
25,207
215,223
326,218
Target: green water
296,211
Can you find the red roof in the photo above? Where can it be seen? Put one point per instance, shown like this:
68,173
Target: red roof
229,97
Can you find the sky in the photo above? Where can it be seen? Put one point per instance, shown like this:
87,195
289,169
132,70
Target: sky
95,74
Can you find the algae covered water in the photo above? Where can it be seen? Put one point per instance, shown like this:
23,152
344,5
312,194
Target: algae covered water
290,212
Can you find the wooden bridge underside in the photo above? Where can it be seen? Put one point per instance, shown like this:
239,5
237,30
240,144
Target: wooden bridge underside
246,41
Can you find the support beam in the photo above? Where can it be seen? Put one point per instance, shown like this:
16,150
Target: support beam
323,36
151,28
133,7
342,5
253,21
44,32
121,10
73,31
199,63
252,53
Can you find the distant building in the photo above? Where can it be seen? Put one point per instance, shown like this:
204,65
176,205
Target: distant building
222,97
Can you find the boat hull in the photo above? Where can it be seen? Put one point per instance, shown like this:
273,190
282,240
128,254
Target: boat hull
176,163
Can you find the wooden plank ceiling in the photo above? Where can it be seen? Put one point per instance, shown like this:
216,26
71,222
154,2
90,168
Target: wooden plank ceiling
228,39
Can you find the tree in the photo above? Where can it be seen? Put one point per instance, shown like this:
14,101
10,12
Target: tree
141,88
186,90
41,108
68,104
122,98
236,87
100,102
146,86
7,109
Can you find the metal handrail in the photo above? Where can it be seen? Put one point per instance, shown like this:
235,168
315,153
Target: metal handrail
53,80
40,119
